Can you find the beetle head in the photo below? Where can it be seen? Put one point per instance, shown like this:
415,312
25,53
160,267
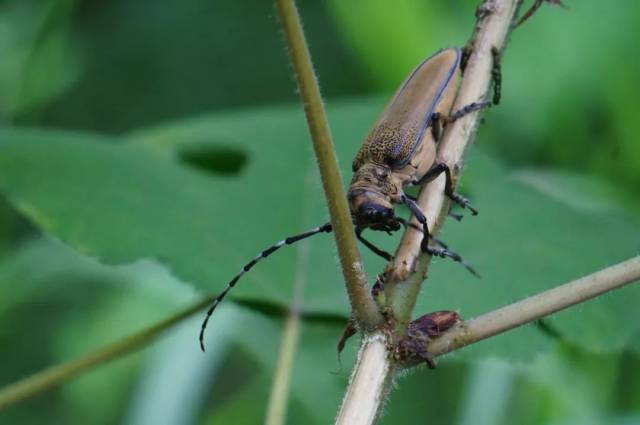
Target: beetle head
371,198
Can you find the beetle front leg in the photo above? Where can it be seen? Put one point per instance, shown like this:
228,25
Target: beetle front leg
443,251
434,172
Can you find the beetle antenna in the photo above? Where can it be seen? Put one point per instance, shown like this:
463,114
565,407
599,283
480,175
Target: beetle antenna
264,254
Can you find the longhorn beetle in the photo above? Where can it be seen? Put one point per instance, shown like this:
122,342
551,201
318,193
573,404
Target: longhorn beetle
399,152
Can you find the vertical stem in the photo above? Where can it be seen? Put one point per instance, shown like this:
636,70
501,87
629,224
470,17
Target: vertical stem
364,308
279,395
369,384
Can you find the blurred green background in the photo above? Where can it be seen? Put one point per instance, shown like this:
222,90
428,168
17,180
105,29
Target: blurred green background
148,149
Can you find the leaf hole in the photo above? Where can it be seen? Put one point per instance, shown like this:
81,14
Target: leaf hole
217,160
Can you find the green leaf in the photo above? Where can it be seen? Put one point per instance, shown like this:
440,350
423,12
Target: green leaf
122,202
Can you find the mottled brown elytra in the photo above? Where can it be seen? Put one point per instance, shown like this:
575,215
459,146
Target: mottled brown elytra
399,152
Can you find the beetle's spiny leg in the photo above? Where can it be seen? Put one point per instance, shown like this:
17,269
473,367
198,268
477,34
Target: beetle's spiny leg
264,254
536,5
415,209
407,223
378,251
424,245
496,75
436,126
462,201
465,110
434,172
455,216
447,253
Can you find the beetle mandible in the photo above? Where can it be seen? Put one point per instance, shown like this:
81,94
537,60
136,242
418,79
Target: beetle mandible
400,151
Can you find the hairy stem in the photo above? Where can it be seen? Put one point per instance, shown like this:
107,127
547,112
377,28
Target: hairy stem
537,306
59,374
363,307
367,382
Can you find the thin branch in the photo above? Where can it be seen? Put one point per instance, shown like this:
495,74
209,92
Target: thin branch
536,307
280,389
59,374
364,308
279,395
409,268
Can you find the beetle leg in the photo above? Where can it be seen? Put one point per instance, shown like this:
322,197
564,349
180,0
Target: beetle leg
380,252
424,245
496,69
455,216
496,75
438,121
467,109
444,251
434,172
436,126
536,5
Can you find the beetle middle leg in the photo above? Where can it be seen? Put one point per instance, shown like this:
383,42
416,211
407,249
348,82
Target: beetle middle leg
426,235
438,121
434,172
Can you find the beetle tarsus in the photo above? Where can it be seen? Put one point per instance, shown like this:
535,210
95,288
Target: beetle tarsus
496,75
467,109
455,216
447,253
438,169
463,202
536,5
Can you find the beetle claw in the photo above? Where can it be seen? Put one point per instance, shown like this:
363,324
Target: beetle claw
463,202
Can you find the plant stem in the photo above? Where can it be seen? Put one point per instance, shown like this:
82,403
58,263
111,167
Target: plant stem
409,268
56,375
537,306
366,393
280,390
279,395
363,307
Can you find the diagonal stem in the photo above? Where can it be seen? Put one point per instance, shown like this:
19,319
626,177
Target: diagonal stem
537,306
363,307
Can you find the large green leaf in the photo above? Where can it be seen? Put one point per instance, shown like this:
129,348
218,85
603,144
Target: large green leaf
122,202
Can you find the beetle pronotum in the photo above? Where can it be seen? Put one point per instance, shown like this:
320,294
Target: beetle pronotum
399,152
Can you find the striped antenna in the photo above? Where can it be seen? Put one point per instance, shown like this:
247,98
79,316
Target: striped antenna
264,254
